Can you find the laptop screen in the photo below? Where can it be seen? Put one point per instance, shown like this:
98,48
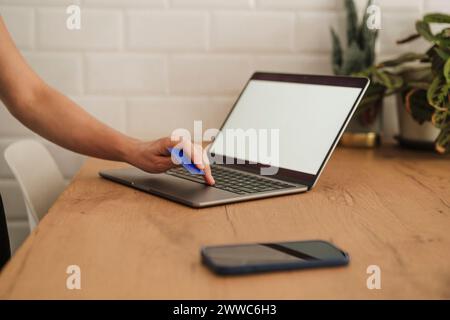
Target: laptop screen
307,117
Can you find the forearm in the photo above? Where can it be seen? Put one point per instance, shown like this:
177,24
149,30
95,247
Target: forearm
60,120
49,113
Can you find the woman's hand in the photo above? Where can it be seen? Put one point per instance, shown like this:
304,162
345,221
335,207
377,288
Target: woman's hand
154,156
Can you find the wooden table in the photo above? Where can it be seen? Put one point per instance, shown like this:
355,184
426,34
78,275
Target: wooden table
386,207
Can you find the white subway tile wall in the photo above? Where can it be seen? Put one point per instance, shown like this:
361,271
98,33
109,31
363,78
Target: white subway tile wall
146,67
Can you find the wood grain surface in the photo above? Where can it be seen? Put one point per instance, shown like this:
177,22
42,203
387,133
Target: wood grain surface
386,207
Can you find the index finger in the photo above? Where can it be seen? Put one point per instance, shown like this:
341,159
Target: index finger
208,175
198,157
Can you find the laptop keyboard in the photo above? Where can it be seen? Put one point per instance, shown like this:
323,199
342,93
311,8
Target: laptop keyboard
233,181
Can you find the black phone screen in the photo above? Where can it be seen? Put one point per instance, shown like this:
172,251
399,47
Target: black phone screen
274,255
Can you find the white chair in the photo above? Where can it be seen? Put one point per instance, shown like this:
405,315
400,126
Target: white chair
39,178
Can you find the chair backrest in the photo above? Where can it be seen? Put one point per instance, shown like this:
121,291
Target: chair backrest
5,249
38,175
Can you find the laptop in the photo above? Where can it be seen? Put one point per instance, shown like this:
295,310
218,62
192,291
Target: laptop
307,115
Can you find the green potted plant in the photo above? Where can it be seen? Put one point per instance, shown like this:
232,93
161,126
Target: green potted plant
423,85
357,56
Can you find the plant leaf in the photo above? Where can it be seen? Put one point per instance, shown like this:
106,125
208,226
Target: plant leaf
336,52
367,38
437,93
442,53
353,60
382,78
436,18
437,63
424,30
440,119
396,81
442,41
409,38
447,71
416,103
352,22
443,141
406,57
362,27
446,33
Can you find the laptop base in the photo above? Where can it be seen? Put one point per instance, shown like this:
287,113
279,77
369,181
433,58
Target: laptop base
190,193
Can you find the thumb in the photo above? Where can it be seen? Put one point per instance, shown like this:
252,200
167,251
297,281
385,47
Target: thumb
167,143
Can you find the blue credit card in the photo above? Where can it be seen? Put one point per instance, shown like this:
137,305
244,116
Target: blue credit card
178,154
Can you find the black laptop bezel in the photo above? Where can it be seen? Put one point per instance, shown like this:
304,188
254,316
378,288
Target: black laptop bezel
287,174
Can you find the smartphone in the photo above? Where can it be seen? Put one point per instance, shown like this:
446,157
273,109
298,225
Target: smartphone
261,257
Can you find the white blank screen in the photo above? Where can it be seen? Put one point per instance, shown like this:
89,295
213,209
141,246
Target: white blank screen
308,117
